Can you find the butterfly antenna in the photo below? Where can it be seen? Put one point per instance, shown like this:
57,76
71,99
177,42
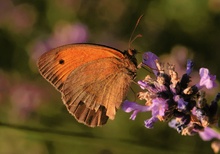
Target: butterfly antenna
131,40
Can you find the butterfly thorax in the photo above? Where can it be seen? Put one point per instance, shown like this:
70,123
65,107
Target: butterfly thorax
130,61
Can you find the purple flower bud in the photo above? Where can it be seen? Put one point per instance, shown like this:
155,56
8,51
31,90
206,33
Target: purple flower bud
189,67
149,123
143,84
149,60
207,80
181,104
209,134
131,106
158,107
173,123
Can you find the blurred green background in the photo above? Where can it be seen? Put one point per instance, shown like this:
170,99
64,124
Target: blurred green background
33,118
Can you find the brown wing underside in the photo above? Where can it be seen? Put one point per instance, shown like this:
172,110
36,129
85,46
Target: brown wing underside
57,64
93,92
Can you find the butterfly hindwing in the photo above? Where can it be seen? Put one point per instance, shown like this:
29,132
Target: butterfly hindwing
93,92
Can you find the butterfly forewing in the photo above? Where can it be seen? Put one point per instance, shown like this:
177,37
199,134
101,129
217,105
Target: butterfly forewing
57,64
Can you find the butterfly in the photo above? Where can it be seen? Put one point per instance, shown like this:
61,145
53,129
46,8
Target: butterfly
92,79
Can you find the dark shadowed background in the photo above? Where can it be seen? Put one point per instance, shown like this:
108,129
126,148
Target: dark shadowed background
33,118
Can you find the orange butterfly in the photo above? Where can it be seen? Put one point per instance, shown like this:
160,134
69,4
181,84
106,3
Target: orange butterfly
93,79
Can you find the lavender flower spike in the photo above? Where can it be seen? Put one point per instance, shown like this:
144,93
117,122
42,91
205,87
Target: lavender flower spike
171,98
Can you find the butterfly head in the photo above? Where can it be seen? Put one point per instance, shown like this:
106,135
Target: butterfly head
130,54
